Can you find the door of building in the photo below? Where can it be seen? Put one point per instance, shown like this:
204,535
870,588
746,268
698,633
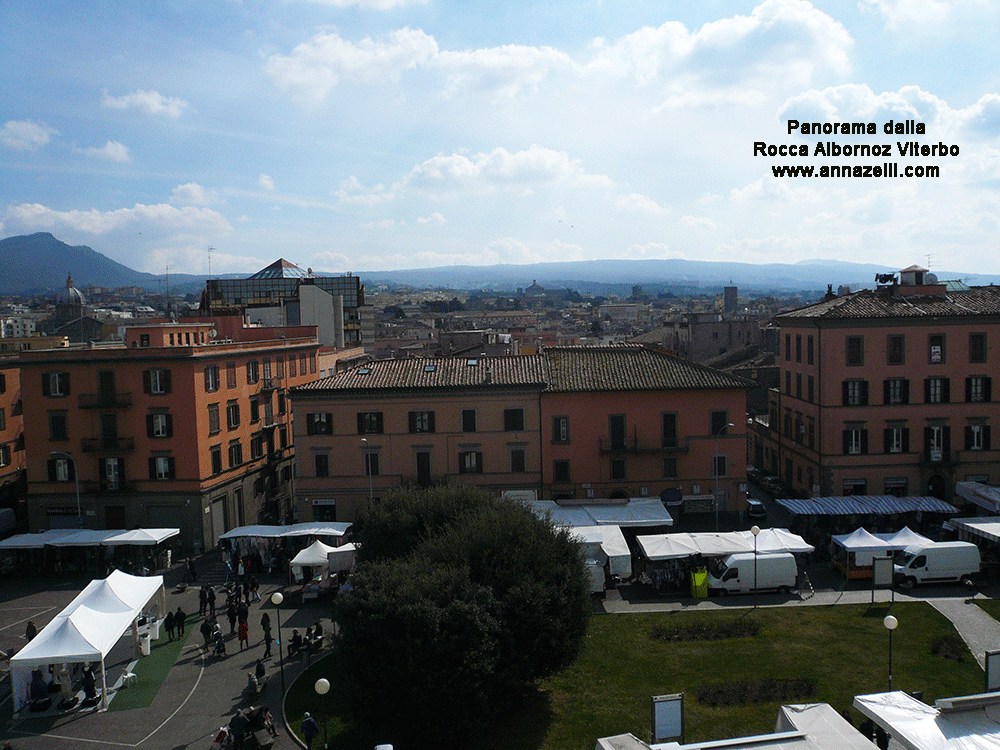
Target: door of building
424,468
616,431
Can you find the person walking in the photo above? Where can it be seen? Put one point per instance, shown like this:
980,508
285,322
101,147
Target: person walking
192,571
309,729
242,612
243,634
206,631
202,600
265,624
254,589
231,616
168,623
211,601
30,631
179,617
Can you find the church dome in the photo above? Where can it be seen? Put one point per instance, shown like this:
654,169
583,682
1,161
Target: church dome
73,295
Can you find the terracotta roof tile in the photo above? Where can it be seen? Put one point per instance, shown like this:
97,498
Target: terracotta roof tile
980,300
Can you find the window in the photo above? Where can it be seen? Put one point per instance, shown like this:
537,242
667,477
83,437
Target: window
61,470
254,410
560,430
560,471
719,422
267,372
935,346
977,347
112,473
937,441
855,393
371,464
216,453
936,391
617,468
855,351
810,389
5,455
896,391
156,381
321,462
213,419
977,437
161,467
303,364
669,430
212,378
283,436
895,352
513,420
788,382
55,384
788,347
719,466
978,388
58,425
811,432
253,371
3,383
897,439
281,402
256,446
292,372
810,352
232,415
143,339
312,364
517,460
468,420
319,423
279,368
470,462
421,421
798,385
369,423
855,441
235,454
159,425
670,467
230,374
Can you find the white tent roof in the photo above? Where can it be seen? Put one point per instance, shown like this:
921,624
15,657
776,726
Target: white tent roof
342,557
612,542
779,540
637,512
83,538
34,541
823,725
980,494
903,538
860,539
141,536
967,723
719,544
317,528
987,528
316,553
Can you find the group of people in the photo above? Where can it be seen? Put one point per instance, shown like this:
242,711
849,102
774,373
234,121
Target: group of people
312,641
174,623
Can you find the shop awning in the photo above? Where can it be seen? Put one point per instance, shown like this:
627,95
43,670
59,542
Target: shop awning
862,505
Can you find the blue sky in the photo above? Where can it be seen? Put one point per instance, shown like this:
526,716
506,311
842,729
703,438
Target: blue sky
358,135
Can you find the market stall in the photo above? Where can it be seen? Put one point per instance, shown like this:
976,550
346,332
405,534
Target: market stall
853,553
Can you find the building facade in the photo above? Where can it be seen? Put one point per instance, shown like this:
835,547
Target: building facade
567,423
886,391
174,427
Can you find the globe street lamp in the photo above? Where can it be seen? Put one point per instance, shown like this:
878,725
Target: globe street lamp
276,599
76,476
755,530
715,469
891,623
322,687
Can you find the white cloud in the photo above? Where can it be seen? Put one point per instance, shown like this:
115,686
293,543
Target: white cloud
266,182
194,194
110,151
160,218
434,218
149,102
698,222
25,135
639,203
913,12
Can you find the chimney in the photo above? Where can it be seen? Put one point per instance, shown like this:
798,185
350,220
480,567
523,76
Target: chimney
829,293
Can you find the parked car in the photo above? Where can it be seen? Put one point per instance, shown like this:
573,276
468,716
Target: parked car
773,485
754,474
756,509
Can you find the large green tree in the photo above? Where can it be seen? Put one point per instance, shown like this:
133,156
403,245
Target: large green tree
460,602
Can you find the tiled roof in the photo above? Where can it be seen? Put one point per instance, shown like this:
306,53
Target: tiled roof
980,300
629,368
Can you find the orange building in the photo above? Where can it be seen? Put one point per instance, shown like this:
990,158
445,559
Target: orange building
886,391
183,425
566,423
12,461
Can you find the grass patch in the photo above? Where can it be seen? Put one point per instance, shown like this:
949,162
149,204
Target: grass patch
747,692
989,606
150,672
841,651
744,627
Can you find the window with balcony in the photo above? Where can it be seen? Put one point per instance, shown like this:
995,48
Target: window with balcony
978,388
855,441
897,439
421,421
937,391
977,437
855,351
670,467
618,468
161,467
112,471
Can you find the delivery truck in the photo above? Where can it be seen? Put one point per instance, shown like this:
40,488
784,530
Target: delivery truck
735,574
937,562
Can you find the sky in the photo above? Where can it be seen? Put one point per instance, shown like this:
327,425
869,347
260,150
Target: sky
364,135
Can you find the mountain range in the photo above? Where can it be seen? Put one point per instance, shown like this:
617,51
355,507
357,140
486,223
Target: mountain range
39,263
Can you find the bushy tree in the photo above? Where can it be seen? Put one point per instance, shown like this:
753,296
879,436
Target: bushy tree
460,602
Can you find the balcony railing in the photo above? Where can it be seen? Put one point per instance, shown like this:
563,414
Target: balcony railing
105,400
635,445
108,444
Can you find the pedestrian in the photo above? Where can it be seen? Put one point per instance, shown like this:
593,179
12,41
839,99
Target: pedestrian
243,634
254,586
242,612
238,729
179,617
206,631
202,600
192,572
31,631
231,616
246,592
309,729
168,623
265,624
211,601
229,571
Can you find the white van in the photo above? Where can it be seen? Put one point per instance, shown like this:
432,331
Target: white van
735,574
938,562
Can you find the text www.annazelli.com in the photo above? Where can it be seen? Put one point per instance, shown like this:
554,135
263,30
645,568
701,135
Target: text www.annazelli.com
888,169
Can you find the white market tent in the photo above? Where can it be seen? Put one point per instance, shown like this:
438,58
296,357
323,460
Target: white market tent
87,538
984,527
610,543
143,537
342,558
316,528
822,723
980,494
864,545
34,541
87,629
903,538
658,547
636,512
315,554
964,723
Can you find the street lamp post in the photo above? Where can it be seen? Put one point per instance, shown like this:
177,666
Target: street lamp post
368,467
891,623
715,470
276,599
322,687
76,476
755,530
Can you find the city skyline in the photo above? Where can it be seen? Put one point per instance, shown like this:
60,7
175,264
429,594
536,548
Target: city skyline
363,135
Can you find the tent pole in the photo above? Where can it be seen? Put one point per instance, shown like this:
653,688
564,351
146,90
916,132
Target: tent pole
104,687
135,637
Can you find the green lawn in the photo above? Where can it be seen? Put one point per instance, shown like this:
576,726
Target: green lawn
150,672
843,649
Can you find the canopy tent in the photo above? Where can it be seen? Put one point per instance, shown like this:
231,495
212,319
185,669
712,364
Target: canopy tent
864,545
315,528
636,512
87,538
965,723
142,537
823,724
342,558
34,541
610,541
979,494
903,538
864,505
985,528
316,553
658,547
88,628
